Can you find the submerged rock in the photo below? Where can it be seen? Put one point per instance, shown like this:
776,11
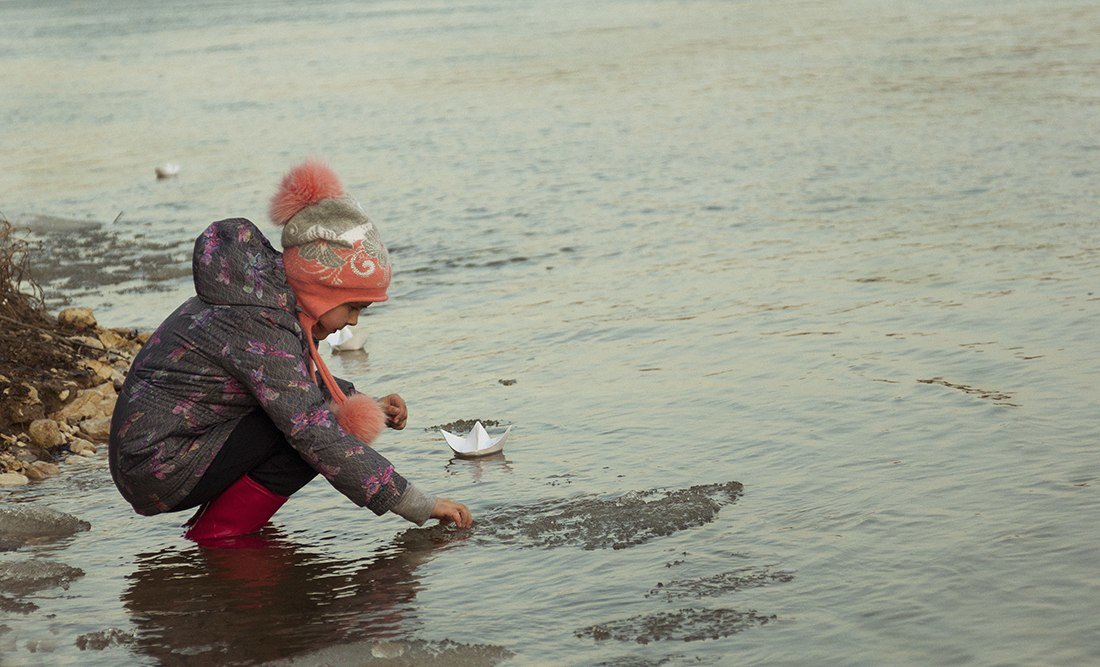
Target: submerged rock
398,653
23,577
593,522
23,523
720,584
682,625
97,641
13,606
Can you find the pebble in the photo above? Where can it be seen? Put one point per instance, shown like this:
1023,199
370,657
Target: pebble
13,479
45,433
81,446
79,318
98,429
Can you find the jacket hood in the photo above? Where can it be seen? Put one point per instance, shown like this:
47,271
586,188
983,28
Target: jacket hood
234,264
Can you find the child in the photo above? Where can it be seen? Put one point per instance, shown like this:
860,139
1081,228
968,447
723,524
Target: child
229,406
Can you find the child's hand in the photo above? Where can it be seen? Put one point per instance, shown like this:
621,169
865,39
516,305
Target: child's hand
448,511
393,406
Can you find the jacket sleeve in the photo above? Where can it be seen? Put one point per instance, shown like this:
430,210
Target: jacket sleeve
265,352
345,386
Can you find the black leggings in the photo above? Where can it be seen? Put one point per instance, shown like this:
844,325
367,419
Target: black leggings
256,447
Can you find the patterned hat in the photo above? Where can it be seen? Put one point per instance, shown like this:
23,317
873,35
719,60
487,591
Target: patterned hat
332,255
332,252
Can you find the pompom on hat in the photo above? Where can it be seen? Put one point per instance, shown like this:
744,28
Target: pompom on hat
332,255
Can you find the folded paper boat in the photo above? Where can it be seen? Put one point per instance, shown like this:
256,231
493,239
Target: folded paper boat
476,443
347,339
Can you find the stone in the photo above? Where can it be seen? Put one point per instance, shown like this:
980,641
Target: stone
78,318
45,433
13,479
21,523
98,429
89,342
101,370
113,341
45,468
81,446
89,404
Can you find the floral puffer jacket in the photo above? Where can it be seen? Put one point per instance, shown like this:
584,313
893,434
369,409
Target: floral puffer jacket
231,349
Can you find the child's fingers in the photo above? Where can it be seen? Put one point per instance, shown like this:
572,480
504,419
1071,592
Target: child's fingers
462,517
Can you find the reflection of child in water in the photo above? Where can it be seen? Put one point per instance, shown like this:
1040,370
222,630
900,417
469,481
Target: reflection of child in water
230,407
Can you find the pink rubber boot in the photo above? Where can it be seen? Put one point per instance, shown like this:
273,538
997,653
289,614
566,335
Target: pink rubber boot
241,509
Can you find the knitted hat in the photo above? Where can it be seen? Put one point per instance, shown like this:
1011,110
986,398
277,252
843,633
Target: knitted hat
332,255
332,252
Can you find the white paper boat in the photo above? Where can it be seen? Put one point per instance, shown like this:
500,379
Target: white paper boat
476,443
347,339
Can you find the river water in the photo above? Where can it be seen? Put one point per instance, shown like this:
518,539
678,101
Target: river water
843,254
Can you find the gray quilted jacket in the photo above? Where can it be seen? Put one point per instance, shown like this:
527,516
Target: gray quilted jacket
234,347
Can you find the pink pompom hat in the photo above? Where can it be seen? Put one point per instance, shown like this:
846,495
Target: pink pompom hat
332,255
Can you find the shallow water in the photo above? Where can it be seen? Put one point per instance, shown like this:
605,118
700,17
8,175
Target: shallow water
845,255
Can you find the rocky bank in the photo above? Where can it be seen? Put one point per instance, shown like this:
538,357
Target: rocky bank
57,406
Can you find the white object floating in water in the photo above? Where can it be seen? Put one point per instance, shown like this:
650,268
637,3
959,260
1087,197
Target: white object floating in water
476,443
347,339
168,170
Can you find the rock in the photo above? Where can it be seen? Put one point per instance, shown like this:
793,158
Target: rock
40,470
113,341
101,370
89,404
28,576
25,455
81,446
24,523
46,467
89,342
13,479
78,318
98,429
45,433
9,463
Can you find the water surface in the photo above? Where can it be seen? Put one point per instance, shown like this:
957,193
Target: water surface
844,255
